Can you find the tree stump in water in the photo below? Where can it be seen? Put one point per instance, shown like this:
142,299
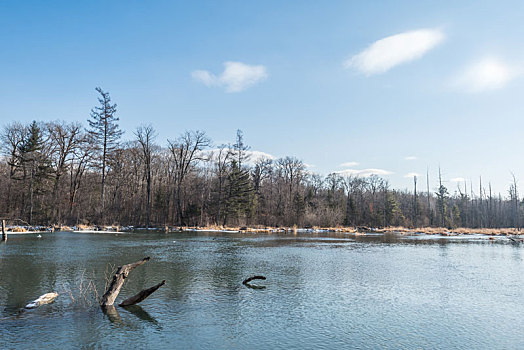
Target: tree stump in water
109,297
118,281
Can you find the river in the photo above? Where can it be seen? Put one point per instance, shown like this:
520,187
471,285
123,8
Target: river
321,292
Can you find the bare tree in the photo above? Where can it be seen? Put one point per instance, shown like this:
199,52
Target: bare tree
80,158
415,202
186,150
66,139
514,197
13,135
146,136
221,158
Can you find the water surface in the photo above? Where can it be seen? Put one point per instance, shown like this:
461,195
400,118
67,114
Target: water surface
321,292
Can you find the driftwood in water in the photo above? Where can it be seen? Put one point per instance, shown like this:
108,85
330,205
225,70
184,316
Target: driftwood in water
142,295
118,281
43,299
247,280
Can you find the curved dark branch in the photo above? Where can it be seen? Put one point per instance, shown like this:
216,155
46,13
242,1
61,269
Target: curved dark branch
258,277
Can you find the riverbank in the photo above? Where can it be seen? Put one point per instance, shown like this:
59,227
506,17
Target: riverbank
363,230
268,230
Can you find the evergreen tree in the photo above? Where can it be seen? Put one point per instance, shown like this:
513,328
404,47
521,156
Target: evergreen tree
240,149
455,216
35,167
442,205
241,199
105,135
394,215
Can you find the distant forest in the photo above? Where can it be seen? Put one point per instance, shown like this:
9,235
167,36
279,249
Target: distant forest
66,173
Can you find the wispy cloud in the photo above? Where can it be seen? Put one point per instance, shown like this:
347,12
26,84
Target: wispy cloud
410,158
411,175
236,77
458,179
363,172
348,164
391,51
486,74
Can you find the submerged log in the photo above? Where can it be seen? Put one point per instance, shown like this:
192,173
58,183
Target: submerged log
247,280
43,299
118,281
142,295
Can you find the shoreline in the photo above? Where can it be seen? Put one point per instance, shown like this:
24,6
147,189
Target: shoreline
360,230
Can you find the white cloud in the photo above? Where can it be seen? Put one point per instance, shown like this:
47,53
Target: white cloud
348,164
205,77
486,74
410,158
258,155
391,51
309,165
458,179
411,175
236,77
363,172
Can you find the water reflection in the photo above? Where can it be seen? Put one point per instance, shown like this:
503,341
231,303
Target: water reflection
142,314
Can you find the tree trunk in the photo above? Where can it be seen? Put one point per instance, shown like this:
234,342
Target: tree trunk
118,281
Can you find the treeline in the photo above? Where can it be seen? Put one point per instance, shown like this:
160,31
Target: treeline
64,173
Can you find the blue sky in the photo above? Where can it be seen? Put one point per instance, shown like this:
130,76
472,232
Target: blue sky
396,86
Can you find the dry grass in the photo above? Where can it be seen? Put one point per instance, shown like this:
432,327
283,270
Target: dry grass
456,231
361,230
84,292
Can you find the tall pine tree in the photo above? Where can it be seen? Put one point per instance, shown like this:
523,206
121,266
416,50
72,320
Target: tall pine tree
105,135
241,199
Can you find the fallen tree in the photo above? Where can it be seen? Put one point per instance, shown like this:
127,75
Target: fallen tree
109,297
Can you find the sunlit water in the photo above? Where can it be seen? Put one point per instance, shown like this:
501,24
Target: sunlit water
322,292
